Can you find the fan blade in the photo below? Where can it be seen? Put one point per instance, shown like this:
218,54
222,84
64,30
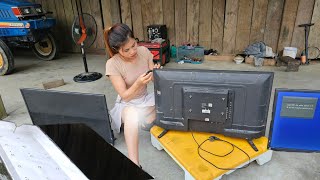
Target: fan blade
82,38
81,22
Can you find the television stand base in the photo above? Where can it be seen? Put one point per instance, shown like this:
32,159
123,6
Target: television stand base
162,133
254,147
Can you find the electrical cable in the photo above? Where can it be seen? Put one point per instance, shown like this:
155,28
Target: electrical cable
213,138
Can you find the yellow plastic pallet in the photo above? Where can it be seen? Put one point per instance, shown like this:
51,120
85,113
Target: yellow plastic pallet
184,150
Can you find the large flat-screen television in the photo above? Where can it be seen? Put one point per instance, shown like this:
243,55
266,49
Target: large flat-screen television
233,103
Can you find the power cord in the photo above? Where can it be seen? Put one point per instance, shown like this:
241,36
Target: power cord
214,138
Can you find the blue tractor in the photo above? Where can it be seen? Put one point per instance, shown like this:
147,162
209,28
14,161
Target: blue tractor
24,24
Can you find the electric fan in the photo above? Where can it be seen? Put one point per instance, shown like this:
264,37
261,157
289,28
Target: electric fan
84,33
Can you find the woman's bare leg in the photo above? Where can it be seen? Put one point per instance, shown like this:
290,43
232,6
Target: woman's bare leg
131,128
151,114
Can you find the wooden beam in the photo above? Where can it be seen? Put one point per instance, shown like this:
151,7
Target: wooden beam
115,11
217,22
193,21
204,24
273,23
259,16
314,38
147,14
287,25
304,16
106,13
230,26
126,12
243,25
180,21
137,20
97,14
168,19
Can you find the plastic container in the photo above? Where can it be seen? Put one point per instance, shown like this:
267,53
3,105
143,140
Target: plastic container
192,54
303,58
173,51
238,59
290,51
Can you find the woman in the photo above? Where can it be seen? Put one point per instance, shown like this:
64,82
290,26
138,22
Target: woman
126,70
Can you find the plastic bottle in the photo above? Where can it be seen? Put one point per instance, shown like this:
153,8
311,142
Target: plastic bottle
303,58
173,51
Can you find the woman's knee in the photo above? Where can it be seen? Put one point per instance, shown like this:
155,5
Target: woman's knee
130,115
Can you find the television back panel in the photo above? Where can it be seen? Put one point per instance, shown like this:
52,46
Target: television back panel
233,103
296,120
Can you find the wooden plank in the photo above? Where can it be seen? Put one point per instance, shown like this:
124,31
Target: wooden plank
287,25
266,61
44,5
217,22
85,4
168,19
115,12
146,16
137,20
64,44
259,15
193,21
96,13
52,8
152,13
126,12
304,16
225,57
69,17
180,7
157,11
53,84
273,23
205,23
243,24
75,14
314,38
106,13
230,26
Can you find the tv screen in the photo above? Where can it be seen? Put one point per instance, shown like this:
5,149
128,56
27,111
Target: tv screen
233,103
48,107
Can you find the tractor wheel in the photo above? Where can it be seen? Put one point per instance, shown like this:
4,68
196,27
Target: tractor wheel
6,59
46,49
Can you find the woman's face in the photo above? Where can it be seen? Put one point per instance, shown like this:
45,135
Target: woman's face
129,50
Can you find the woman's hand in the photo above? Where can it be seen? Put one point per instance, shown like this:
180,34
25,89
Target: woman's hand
157,66
144,78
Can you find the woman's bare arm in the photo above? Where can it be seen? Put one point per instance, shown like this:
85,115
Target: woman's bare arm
129,94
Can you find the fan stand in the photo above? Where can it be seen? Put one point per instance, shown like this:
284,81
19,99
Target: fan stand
86,76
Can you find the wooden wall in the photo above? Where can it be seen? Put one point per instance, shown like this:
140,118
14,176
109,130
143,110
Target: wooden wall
225,25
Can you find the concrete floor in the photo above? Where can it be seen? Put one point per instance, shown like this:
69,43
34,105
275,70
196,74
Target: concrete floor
31,72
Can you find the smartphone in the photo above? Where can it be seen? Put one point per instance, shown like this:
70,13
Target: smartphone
148,72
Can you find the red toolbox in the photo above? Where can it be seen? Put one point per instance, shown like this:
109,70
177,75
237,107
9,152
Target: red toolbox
160,51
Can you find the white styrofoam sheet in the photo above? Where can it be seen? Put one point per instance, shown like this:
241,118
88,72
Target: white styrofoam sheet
28,154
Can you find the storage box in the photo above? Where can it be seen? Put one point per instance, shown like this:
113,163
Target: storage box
160,51
192,54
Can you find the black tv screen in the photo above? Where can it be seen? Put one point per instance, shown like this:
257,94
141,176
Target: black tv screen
233,103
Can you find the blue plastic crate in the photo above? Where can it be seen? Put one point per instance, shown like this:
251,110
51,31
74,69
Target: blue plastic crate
190,54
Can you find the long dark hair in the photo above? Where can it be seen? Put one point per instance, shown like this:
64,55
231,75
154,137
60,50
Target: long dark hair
115,37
